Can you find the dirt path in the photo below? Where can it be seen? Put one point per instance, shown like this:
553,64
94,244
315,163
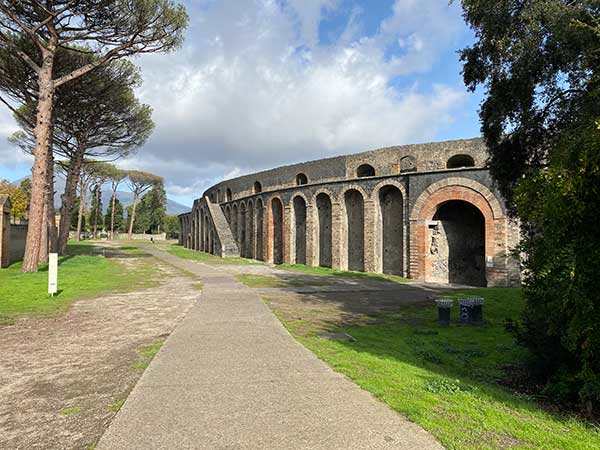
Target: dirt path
62,379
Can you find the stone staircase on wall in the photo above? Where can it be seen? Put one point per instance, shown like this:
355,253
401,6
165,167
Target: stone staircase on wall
229,248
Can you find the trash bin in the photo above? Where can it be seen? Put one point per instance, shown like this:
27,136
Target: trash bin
444,306
466,310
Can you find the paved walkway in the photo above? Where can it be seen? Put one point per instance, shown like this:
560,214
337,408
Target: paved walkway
231,377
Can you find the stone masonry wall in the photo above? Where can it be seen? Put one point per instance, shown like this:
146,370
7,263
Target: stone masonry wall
380,223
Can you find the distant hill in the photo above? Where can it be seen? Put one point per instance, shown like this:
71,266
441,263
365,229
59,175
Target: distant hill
126,198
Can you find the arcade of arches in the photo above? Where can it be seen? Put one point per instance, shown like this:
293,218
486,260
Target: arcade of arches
451,233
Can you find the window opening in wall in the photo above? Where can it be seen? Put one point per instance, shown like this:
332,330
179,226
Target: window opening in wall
301,179
460,161
365,170
257,187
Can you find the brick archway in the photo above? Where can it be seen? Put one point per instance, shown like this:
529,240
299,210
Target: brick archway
421,223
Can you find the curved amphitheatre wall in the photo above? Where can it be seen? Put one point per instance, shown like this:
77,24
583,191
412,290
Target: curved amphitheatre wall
429,212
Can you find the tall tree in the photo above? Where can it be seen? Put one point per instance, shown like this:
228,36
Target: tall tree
110,29
153,210
101,174
86,179
140,182
539,62
114,220
98,116
116,177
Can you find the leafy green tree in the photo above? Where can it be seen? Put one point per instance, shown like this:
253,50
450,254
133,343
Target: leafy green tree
96,208
111,30
539,64
171,226
116,221
139,183
18,199
153,210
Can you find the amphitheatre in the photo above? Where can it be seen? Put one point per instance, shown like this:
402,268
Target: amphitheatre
429,212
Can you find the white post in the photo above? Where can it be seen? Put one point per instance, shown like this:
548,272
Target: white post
53,274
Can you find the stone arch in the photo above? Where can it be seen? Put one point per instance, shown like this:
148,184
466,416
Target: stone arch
460,160
260,226
365,170
466,185
206,234
299,231
228,195
201,232
234,223
456,225
243,232
324,229
257,188
301,179
355,229
391,232
250,233
218,195
408,164
277,230
228,214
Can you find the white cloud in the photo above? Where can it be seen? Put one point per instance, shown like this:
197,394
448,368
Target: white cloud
253,87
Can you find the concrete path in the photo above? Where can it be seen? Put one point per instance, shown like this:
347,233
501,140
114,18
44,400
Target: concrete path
231,377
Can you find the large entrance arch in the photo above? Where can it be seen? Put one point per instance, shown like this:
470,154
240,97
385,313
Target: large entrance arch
458,235
259,230
457,244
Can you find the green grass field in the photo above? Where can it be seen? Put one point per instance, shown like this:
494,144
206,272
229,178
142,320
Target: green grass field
83,273
446,379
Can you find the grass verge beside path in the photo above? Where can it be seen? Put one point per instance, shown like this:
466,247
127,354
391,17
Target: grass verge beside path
83,273
325,271
266,281
447,379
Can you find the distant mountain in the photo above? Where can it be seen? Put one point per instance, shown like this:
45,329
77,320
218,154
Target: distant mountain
126,198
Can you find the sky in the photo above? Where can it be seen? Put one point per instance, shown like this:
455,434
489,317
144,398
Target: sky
263,83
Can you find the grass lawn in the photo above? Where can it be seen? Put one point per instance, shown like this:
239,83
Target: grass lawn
446,379
83,273
183,252
310,270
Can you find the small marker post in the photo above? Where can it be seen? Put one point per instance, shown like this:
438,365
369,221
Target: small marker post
52,274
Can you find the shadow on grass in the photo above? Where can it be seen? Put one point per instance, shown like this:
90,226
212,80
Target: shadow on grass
438,376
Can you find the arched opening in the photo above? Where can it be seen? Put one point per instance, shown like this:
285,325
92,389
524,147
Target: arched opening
408,164
228,214
206,233
259,230
218,196
211,243
301,179
277,216
243,232
325,230
365,170
201,232
257,187
355,219
228,195
457,244
250,231
300,227
460,161
392,230
234,224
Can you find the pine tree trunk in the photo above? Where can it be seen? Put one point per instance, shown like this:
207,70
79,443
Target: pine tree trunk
68,200
50,211
43,255
80,218
96,210
135,202
42,133
112,215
